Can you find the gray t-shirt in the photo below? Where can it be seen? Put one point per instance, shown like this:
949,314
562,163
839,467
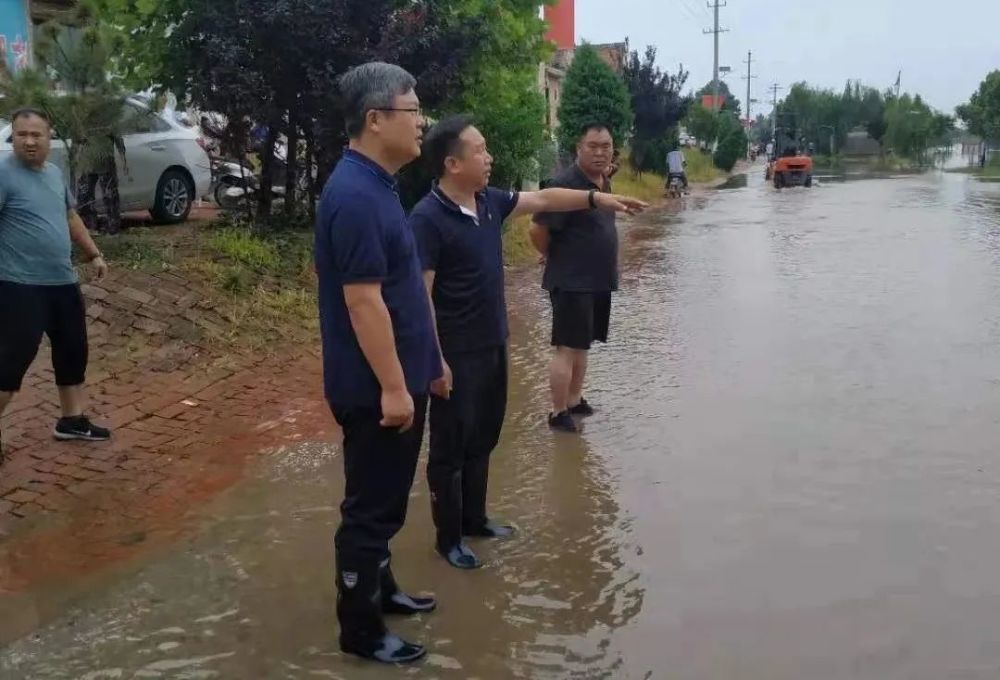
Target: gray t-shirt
583,245
35,246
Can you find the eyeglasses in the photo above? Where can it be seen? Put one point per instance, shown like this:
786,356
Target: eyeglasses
416,111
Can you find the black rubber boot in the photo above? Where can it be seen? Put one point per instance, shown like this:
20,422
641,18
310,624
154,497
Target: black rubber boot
460,557
475,479
395,601
362,631
446,505
490,529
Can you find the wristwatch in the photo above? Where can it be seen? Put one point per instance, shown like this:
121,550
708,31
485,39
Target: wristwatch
590,199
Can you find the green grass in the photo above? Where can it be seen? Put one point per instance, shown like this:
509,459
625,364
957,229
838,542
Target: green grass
991,171
700,167
137,250
245,248
646,187
517,248
828,162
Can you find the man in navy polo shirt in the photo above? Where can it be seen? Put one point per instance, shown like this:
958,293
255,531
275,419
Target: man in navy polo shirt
458,227
380,355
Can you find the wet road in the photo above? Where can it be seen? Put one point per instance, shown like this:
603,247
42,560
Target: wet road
792,475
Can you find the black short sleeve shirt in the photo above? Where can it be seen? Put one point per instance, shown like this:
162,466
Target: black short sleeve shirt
466,253
583,245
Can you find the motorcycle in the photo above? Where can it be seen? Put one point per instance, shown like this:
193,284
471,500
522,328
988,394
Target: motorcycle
237,183
675,187
232,182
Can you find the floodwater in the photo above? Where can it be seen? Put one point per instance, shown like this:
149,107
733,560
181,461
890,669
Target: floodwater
793,475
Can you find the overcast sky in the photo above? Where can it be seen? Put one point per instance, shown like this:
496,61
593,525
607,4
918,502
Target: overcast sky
943,48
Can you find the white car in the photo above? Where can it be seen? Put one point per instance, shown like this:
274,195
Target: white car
166,168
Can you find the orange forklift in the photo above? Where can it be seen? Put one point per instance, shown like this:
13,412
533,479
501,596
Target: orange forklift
789,166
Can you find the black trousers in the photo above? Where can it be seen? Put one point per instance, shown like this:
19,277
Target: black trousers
379,466
464,431
26,313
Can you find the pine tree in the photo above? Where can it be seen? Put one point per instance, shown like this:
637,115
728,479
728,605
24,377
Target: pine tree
592,93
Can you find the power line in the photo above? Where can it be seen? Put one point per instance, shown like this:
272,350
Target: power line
690,9
716,5
692,15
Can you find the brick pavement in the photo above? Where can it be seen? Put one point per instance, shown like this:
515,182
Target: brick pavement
187,412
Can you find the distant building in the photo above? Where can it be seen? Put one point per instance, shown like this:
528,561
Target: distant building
561,18
860,143
19,19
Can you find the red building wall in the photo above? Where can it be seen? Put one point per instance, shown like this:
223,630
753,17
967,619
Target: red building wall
561,18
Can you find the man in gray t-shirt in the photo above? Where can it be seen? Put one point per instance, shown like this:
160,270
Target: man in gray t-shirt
39,294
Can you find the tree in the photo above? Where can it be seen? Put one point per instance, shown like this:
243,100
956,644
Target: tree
872,115
592,93
732,147
912,127
87,114
279,69
731,103
761,130
702,124
501,87
658,106
982,113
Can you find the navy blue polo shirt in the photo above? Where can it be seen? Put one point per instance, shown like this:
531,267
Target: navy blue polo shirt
466,254
362,236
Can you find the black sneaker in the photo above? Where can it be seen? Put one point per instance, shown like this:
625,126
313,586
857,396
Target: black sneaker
582,409
563,422
80,428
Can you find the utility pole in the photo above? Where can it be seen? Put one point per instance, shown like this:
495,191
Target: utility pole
716,5
749,77
774,114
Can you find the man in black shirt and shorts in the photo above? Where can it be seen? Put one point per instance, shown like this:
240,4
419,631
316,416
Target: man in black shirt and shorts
581,272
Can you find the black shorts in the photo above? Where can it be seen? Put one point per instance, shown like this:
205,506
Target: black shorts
26,313
579,319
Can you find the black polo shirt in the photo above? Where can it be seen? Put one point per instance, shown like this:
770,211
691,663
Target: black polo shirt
466,254
583,246
362,237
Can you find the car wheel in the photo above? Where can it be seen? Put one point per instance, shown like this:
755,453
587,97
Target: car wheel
779,180
174,198
809,181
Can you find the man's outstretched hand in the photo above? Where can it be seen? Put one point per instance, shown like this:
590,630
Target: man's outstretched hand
625,204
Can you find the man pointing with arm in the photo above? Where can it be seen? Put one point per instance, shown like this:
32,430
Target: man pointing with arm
458,227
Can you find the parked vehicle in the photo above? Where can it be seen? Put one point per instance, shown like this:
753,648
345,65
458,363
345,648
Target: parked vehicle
165,170
233,183
236,184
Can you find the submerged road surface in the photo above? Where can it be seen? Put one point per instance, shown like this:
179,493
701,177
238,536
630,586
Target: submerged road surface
794,474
